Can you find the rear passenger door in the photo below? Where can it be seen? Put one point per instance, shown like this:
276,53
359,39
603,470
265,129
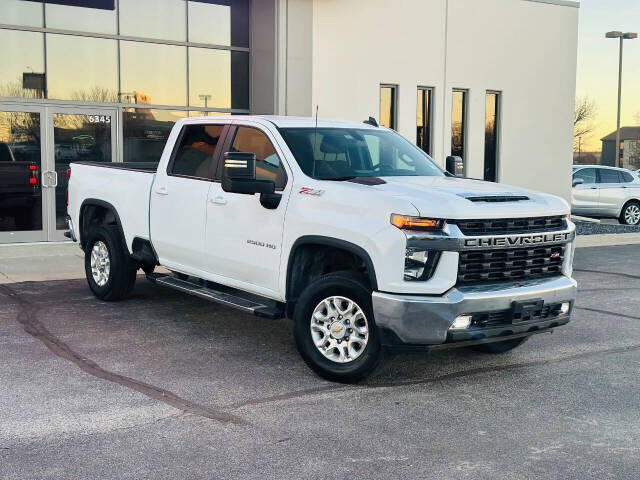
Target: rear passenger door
178,204
612,193
243,236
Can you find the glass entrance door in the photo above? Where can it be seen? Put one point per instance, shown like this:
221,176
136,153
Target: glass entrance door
75,135
22,160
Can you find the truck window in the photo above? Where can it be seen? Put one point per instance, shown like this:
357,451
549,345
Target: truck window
194,155
268,166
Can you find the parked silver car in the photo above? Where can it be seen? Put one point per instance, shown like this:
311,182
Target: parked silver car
606,192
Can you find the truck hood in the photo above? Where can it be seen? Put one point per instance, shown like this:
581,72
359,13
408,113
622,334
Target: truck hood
457,198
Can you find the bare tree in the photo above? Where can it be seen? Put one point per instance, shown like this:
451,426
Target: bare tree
585,113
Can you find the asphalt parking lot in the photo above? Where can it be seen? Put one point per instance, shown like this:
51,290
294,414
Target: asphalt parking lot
168,386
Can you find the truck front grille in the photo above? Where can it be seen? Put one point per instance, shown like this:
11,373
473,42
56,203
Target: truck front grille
510,225
500,265
496,319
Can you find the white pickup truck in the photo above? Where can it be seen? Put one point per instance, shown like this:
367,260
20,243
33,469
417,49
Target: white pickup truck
346,228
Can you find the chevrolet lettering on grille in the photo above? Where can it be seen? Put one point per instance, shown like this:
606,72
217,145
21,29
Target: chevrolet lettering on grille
517,240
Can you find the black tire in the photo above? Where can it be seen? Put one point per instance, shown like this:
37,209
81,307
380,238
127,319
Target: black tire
122,274
499,347
350,285
623,215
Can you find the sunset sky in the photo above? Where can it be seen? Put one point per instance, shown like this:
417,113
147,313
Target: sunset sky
598,64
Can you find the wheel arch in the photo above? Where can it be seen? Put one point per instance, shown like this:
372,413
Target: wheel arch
627,202
335,245
93,208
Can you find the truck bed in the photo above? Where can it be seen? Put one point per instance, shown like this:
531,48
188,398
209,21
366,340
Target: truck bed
124,186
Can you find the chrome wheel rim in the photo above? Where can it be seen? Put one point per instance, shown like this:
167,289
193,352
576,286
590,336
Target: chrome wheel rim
632,215
100,263
339,329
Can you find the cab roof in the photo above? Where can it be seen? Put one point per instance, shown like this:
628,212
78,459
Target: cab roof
287,122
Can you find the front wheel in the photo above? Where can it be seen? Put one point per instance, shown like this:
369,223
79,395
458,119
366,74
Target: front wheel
334,328
630,214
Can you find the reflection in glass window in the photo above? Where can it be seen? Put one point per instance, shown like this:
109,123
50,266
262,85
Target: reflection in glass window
240,80
608,176
195,154
165,19
388,106
22,64
588,175
209,23
19,12
82,68
458,120
267,161
145,132
20,169
200,113
423,120
153,73
209,78
84,15
491,137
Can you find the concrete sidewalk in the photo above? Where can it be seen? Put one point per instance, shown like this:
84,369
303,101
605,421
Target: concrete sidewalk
64,260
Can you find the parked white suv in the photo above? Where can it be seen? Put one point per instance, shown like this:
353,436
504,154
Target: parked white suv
606,192
347,228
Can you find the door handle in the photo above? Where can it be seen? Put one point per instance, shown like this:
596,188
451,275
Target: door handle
219,200
50,179
162,191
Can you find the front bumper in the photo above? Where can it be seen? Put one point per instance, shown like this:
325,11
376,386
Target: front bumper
426,320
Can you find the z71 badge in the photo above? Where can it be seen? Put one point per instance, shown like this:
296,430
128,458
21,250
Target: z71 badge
310,191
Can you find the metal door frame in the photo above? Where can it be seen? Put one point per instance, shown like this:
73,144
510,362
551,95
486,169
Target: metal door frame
31,235
49,183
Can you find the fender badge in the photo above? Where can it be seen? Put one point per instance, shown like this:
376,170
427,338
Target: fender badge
310,191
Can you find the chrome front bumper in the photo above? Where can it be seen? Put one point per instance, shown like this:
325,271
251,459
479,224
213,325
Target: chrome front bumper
426,320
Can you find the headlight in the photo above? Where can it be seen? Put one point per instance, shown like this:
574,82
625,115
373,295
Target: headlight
419,265
404,222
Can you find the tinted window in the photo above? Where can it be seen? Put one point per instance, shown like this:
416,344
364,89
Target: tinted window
145,132
588,175
609,176
268,165
492,110
196,149
626,177
22,60
388,106
340,153
423,120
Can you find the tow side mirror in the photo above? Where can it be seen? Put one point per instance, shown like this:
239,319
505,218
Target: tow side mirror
455,165
239,175
578,181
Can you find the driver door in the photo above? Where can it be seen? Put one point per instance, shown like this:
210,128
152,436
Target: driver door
585,197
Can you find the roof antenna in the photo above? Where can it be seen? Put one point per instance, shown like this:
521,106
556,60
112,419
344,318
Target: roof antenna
315,141
371,121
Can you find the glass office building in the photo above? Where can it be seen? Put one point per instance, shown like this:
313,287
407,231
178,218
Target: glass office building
104,80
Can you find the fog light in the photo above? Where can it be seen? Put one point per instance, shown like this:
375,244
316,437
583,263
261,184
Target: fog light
565,307
461,322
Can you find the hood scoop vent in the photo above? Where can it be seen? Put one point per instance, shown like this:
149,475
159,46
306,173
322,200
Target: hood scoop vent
495,198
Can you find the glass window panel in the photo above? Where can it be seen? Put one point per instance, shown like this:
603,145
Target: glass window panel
240,80
195,154
268,165
153,73
97,16
423,120
77,138
22,60
491,137
588,175
388,106
82,68
20,189
608,176
458,127
20,12
209,78
145,132
209,23
164,19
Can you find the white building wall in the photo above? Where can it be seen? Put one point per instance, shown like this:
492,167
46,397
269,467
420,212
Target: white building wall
525,49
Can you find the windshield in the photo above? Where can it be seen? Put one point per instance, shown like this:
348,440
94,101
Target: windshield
343,153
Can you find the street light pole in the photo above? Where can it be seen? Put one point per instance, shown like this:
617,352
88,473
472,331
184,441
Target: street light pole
622,37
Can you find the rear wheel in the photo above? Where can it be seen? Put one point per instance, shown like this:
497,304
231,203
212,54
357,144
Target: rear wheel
110,272
631,214
334,328
499,347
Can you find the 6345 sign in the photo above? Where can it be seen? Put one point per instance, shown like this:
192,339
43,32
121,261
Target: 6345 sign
99,118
